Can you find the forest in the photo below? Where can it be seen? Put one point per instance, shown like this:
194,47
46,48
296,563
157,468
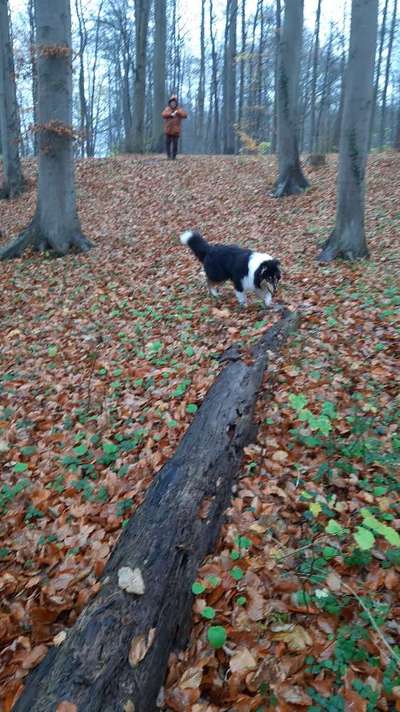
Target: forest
199,445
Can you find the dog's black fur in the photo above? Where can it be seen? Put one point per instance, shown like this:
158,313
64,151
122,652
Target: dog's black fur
230,262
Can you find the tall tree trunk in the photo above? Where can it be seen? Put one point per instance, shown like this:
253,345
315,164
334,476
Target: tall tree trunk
142,10
387,74
242,64
201,92
291,179
55,225
32,42
338,119
229,101
83,107
348,238
214,81
159,61
378,72
323,104
9,118
276,76
314,78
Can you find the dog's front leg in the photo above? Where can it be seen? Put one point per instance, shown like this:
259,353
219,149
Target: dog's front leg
213,291
241,297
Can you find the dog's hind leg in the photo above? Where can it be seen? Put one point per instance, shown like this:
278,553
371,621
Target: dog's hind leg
241,297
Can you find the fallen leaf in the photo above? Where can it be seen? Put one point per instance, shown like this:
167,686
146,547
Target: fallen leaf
140,645
242,661
131,580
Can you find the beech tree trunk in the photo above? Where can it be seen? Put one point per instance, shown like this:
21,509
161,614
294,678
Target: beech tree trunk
201,91
159,57
378,72
166,539
291,179
229,100
348,238
55,226
142,11
313,141
386,82
278,13
9,117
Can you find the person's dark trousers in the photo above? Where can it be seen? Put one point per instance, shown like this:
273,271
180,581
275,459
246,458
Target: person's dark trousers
172,146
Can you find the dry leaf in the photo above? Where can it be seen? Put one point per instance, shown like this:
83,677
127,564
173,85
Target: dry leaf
129,706
191,679
140,645
242,661
66,707
131,580
295,636
34,657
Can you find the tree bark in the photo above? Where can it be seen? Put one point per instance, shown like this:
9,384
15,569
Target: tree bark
378,72
291,179
242,64
32,41
214,81
313,147
142,10
55,225
387,73
276,77
229,100
159,62
201,91
348,238
9,117
167,540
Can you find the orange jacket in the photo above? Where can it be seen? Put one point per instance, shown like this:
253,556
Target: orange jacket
172,120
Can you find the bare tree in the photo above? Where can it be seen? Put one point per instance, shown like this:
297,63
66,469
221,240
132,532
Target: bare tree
229,102
55,225
9,117
348,238
160,44
387,73
214,100
291,179
378,70
142,11
314,77
278,12
32,42
242,63
201,91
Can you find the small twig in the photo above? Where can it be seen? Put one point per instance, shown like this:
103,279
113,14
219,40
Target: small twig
374,624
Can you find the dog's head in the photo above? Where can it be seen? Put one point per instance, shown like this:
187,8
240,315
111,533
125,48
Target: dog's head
267,275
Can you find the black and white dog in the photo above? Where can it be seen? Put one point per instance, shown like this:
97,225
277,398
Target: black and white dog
249,271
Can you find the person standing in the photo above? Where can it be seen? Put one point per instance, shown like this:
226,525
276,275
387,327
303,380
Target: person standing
172,116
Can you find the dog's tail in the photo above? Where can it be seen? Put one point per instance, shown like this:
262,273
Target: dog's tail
196,242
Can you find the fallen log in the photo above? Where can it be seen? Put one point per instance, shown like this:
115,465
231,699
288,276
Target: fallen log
166,540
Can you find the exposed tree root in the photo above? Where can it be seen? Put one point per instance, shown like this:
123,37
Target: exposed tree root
33,238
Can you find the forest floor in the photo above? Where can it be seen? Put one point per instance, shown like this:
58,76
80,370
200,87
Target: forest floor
104,360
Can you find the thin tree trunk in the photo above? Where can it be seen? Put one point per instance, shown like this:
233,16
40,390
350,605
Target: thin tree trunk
314,78
291,179
55,225
201,92
214,81
32,42
242,64
387,74
323,104
276,76
159,62
83,38
339,116
142,10
378,72
229,102
348,238
9,118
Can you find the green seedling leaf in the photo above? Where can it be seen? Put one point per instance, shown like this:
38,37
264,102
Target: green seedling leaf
216,636
241,600
237,573
364,538
191,408
198,588
214,580
208,613
315,508
52,351
235,555
20,467
334,528
298,402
